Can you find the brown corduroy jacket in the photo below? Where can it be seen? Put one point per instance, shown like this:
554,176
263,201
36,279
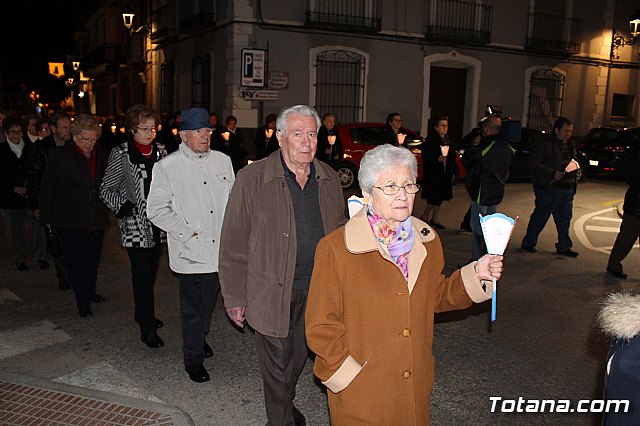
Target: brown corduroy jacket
372,331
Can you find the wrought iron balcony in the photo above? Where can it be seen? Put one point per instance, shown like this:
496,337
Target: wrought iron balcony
553,33
164,20
346,15
458,21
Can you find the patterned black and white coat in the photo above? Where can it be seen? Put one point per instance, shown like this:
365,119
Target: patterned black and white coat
128,178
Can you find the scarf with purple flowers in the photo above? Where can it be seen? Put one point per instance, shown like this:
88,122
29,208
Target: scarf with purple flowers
398,241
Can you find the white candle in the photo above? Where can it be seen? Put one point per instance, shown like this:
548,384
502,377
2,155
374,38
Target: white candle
225,135
401,137
268,133
331,139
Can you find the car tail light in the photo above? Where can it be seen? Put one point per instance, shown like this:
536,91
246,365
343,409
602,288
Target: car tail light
614,148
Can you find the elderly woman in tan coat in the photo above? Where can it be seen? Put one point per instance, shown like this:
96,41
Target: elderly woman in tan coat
376,285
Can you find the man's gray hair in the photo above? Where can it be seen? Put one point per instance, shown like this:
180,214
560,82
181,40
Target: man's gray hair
283,117
384,157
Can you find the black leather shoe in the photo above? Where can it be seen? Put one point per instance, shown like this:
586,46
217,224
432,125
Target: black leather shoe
568,253
85,313
197,373
21,266
298,417
208,352
64,285
43,264
617,274
152,340
530,249
96,298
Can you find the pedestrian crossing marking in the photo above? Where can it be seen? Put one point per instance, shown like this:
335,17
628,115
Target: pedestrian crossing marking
7,295
29,338
602,228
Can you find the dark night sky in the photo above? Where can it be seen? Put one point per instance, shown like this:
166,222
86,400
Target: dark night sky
34,33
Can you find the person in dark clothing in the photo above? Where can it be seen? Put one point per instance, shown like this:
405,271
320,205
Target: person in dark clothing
553,186
59,125
266,140
487,166
438,170
329,143
69,203
230,142
124,190
15,158
630,227
391,134
169,136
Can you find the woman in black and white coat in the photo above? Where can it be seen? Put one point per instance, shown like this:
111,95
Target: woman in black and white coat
124,190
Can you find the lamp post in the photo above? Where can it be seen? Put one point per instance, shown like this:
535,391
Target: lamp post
619,40
140,46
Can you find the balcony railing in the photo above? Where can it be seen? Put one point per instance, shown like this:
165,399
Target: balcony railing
346,15
554,33
110,53
164,23
458,21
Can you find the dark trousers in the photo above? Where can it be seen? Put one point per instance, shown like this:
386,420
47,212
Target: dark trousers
281,362
14,220
198,294
478,246
82,252
144,263
629,233
557,202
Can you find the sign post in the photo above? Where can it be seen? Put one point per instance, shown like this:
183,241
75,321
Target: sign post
253,67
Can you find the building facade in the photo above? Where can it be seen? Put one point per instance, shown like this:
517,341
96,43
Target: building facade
362,59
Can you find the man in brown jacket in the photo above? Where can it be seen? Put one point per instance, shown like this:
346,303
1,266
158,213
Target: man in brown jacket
278,210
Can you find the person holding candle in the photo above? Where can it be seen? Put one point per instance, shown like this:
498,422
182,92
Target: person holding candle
376,284
391,133
329,143
555,178
124,190
230,142
266,141
438,170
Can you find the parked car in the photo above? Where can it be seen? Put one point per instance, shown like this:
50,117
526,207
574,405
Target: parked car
605,149
358,138
522,144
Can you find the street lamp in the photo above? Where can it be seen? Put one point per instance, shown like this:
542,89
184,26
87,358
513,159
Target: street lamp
127,19
619,40
76,65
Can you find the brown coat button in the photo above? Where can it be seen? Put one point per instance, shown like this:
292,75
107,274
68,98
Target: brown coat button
406,332
406,374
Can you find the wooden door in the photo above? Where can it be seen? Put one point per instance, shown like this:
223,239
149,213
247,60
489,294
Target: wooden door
447,90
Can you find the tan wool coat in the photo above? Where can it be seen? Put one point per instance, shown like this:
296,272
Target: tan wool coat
372,331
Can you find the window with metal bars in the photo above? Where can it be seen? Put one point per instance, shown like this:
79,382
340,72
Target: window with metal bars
167,87
340,84
545,99
201,81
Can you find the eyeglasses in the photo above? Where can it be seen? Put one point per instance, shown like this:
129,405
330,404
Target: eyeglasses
410,188
146,129
87,140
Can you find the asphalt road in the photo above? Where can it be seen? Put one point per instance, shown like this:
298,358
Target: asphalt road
544,344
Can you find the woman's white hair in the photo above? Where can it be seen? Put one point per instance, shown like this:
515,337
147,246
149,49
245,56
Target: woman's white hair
383,157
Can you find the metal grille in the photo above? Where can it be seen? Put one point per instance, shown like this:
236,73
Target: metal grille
554,33
545,99
340,84
167,86
201,81
454,20
355,15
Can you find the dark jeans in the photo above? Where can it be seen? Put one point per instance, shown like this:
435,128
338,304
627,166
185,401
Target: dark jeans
82,252
198,294
557,202
629,233
281,362
144,263
478,246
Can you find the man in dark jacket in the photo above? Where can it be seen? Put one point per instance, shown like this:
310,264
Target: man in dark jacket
488,166
630,227
553,186
59,123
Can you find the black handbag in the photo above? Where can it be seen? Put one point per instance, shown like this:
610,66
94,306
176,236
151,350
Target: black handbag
54,243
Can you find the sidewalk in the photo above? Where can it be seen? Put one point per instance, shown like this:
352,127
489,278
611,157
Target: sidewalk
30,401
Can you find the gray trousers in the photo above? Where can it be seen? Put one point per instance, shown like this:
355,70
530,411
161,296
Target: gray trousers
281,362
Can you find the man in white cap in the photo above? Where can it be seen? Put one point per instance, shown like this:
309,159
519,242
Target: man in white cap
187,199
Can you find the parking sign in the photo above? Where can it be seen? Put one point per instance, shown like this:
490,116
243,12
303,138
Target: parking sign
253,67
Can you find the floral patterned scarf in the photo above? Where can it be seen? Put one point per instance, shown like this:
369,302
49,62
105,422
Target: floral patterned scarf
398,241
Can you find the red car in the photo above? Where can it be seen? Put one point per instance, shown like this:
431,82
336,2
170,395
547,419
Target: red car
358,138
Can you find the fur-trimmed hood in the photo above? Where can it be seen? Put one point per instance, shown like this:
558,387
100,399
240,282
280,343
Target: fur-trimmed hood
620,315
